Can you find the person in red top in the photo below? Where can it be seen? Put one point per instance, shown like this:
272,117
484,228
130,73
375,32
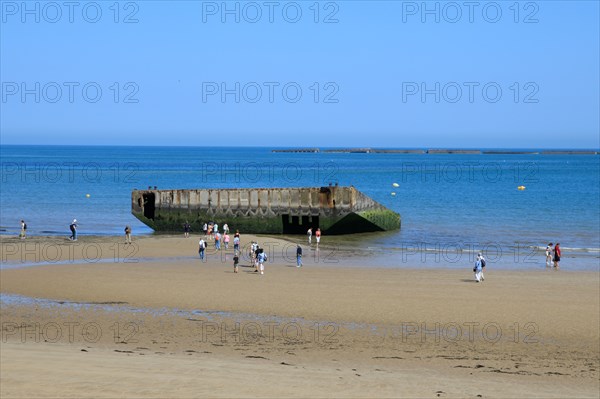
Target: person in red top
557,256
318,235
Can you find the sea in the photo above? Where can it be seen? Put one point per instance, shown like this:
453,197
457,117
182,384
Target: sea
508,206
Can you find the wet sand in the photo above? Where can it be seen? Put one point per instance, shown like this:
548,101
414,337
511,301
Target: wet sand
170,325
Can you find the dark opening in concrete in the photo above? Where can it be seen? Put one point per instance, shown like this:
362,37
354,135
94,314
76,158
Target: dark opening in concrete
298,224
149,205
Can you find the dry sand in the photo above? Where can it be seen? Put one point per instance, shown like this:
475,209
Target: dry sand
170,325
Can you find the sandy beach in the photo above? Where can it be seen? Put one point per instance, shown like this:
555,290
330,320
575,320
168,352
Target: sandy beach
96,318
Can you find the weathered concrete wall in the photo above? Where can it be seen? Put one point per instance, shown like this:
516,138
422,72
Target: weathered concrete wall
259,209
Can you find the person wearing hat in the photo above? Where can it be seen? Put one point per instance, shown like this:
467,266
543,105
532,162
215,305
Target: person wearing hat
477,270
73,228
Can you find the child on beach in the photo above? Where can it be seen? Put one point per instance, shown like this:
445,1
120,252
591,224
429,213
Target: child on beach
236,260
549,255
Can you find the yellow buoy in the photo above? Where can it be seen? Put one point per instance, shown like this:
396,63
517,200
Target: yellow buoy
395,185
87,196
393,194
521,188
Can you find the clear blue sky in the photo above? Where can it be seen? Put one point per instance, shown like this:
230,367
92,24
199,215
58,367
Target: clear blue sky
373,64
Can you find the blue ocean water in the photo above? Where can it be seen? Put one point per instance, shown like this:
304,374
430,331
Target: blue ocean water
450,203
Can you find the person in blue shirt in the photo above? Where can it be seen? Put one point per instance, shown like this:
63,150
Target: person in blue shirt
298,256
478,270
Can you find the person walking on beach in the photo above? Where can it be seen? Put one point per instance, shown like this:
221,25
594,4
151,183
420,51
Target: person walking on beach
186,229
236,260
201,248
205,228
226,240
557,256
262,258
309,234
318,235
477,270
252,255
236,243
482,259
549,255
298,256
225,229
73,228
23,233
215,228
217,241
255,256
127,234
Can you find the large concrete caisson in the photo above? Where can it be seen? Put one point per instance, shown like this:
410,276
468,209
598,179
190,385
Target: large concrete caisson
336,210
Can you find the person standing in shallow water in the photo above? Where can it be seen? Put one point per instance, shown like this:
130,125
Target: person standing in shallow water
549,255
318,236
557,255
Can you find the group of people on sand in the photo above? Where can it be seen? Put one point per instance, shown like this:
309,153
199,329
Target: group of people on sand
257,254
553,256
309,233
552,261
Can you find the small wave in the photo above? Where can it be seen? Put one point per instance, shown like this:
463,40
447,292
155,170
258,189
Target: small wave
580,249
